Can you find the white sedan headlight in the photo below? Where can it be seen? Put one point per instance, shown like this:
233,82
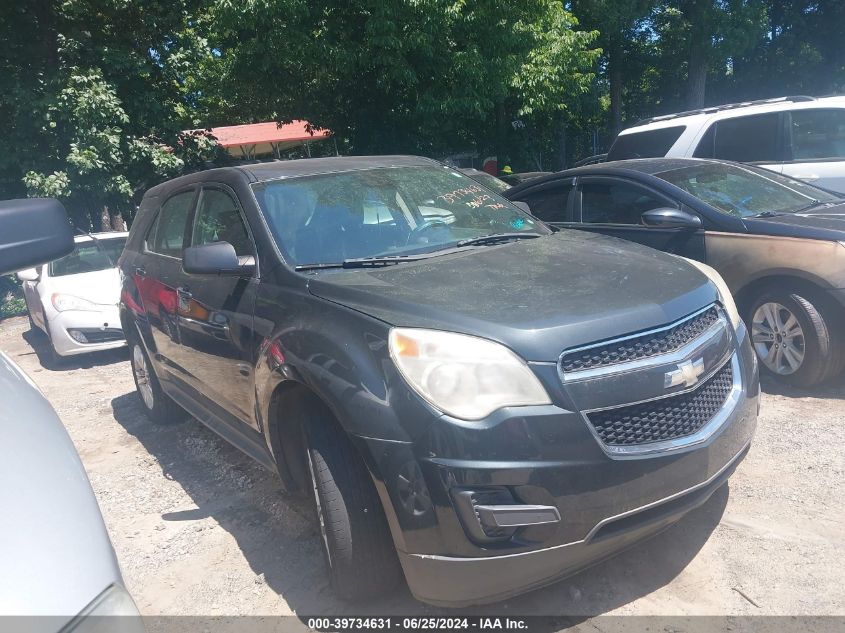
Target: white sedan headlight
725,295
464,376
64,302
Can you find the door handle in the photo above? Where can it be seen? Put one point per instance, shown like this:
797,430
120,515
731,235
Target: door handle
141,272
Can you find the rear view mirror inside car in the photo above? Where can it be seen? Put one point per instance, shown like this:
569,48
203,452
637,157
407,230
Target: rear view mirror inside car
33,232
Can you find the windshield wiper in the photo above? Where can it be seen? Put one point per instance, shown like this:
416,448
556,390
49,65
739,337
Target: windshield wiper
390,260
375,262
495,238
771,214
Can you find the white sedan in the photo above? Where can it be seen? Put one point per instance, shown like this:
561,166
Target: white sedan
75,299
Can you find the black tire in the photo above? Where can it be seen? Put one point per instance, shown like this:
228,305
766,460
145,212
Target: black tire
54,359
823,347
161,409
355,538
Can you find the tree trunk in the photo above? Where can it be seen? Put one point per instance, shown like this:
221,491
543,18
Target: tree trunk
697,78
614,73
502,125
699,51
117,223
562,145
105,219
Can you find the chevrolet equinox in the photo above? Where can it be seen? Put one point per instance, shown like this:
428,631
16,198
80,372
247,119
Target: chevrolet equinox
469,398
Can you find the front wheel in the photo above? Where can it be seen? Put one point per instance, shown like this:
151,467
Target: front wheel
356,541
793,338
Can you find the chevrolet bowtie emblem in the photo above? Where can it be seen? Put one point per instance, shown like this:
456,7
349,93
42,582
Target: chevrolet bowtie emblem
687,374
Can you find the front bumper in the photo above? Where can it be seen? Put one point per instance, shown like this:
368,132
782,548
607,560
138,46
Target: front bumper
457,582
543,456
101,328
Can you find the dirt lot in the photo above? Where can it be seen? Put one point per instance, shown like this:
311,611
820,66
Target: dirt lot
200,529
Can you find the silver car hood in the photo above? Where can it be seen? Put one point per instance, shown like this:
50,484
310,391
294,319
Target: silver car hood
56,554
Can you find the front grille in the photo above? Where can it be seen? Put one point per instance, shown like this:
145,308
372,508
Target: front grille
667,418
639,347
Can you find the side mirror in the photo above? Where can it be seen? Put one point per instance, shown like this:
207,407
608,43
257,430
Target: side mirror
33,232
28,274
217,258
671,219
521,205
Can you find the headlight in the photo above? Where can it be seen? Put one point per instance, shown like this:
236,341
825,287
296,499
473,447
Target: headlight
69,302
464,376
112,610
725,295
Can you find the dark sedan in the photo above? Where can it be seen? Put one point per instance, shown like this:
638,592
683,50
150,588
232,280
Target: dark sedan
779,243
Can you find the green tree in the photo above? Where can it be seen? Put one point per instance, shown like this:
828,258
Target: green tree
715,31
620,27
426,76
93,95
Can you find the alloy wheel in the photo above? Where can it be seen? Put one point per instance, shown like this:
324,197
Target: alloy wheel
142,376
778,338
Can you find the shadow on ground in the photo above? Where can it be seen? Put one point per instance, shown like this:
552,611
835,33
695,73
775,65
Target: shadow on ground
290,560
831,389
40,344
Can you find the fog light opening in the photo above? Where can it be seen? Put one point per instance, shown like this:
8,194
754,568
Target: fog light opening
78,336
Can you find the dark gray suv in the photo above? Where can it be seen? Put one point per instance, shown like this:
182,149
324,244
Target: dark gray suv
469,398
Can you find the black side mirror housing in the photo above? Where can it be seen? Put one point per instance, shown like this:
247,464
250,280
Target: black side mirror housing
33,232
217,258
668,218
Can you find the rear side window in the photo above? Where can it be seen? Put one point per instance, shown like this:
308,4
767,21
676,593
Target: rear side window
650,144
550,203
746,139
219,220
614,202
818,134
168,232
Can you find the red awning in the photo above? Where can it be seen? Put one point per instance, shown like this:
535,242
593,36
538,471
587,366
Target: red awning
270,132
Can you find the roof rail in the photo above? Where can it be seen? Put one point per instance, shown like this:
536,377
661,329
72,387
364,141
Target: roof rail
727,106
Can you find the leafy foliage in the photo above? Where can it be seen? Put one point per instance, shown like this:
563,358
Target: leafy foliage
95,95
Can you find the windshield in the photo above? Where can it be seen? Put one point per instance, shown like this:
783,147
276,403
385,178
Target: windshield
746,191
329,218
89,256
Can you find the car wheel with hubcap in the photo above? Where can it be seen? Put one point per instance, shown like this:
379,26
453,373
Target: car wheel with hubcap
355,539
158,406
793,339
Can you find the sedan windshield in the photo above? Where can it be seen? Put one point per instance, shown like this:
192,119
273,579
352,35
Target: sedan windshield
331,218
89,256
746,191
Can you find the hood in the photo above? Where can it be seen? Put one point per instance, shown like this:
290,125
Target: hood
824,223
56,552
537,296
100,286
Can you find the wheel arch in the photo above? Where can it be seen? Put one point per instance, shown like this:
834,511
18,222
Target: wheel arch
795,281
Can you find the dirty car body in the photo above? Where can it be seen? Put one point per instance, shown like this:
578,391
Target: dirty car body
411,348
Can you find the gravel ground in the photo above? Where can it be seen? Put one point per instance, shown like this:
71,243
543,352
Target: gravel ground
200,529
